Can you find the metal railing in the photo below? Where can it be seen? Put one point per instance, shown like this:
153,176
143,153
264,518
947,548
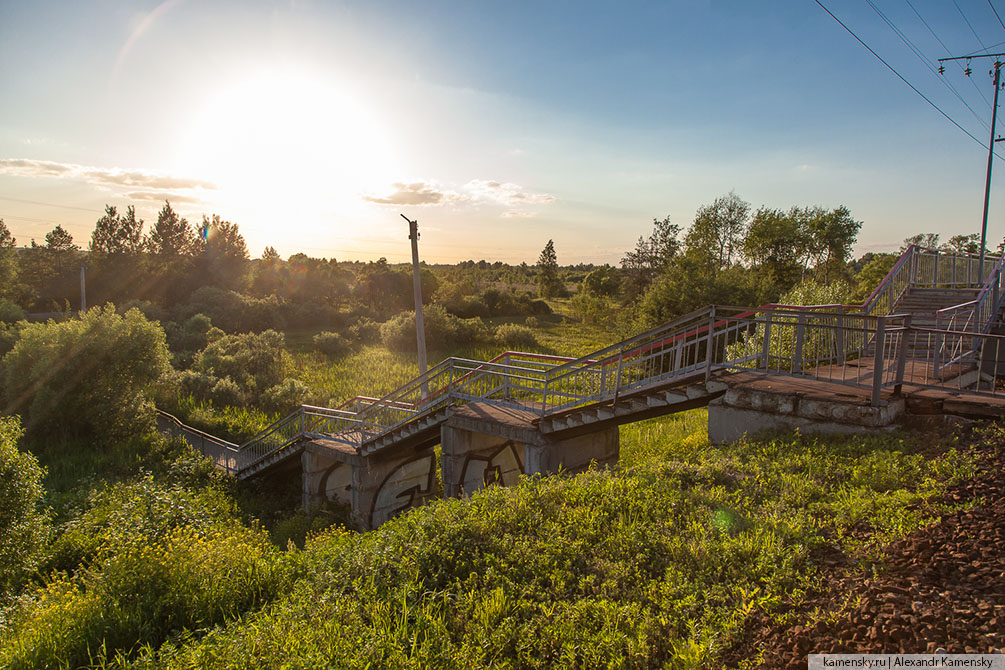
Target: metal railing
865,345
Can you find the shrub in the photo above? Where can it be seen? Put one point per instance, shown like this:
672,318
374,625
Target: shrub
196,384
142,593
87,376
253,361
23,528
331,344
443,330
10,313
287,396
9,334
515,336
532,322
365,331
226,392
194,334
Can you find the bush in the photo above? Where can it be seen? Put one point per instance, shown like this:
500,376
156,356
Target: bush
287,396
194,335
195,384
331,344
365,331
515,336
143,592
232,311
10,313
443,330
226,392
87,376
9,334
23,528
253,361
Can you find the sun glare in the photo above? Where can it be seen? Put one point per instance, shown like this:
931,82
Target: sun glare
288,143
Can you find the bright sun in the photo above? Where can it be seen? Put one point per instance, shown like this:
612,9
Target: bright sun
288,143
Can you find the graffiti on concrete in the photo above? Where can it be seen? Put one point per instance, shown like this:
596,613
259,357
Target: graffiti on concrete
336,484
405,487
501,467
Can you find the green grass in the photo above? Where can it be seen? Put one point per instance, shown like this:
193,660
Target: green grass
656,563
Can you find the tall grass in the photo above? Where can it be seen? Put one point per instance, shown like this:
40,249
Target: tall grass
656,563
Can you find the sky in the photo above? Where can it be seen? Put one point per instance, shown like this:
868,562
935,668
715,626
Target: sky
314,125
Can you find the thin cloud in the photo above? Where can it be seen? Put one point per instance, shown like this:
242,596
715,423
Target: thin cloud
518,214
506,193
159,196
415,193
24,167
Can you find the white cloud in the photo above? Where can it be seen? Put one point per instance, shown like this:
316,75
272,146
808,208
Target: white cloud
25,167
518,214
415,193
506,193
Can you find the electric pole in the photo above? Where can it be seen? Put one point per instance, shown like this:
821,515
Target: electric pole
420,328
991,143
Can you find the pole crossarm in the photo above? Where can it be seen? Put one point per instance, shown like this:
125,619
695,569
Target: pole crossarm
943,60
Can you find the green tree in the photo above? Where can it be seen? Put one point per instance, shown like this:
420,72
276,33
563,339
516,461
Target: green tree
86,377
224,252
718,230
602,282
8,263
776,244
548,283
171,235
60,249
23,526
832,236
923,240
650,257
964,244
115,234
872,273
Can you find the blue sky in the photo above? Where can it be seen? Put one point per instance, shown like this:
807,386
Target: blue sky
498,126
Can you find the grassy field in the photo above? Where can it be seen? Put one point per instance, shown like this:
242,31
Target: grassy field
656,563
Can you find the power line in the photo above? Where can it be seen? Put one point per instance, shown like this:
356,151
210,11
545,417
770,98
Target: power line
965,19
927,62
948,52
46,204
900,76
996,15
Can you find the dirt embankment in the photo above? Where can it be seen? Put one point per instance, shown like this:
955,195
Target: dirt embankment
941,587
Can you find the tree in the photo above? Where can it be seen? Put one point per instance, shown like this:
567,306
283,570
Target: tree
171,235
8,263
86,377
718,230
117,235
650,257
923,240
776,244
548,283
23,528
223,251
60,248
964,244
832,235
602,282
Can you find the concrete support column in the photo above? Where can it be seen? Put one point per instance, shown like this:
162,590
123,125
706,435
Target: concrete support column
384,487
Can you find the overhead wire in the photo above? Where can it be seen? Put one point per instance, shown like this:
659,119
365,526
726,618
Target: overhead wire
927,62
948,52
901,77
969,25
996,16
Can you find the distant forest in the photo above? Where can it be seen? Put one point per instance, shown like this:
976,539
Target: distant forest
729,254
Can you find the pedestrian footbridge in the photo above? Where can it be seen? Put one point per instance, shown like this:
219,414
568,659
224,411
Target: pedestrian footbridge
926,341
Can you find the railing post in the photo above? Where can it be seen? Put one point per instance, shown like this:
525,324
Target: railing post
937,354
839,336
902,357
955,257
935,272
710,345
303,421
617,379
797,355
877,372
766,347
544,392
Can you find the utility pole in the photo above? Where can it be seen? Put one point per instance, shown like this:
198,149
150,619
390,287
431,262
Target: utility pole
420,328
991,143
83,290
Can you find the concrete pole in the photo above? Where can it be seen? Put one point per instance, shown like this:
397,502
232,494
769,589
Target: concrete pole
83,290
420,328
